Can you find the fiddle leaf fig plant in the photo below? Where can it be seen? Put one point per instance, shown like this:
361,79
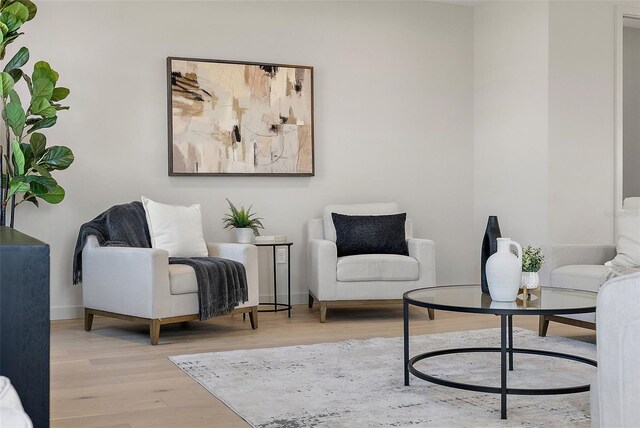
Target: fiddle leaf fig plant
26,162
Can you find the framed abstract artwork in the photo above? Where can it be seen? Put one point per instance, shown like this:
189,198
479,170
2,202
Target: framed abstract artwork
239,118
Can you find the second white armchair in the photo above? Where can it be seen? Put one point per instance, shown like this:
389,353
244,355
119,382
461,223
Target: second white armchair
364,276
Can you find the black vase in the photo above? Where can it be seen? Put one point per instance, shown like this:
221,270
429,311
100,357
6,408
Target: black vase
489,246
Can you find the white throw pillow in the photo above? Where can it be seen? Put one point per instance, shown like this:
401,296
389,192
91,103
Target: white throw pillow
176,229
628,242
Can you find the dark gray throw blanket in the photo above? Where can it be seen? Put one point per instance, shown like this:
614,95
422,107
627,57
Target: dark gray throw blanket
222,283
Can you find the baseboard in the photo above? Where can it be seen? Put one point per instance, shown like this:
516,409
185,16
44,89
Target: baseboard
66,312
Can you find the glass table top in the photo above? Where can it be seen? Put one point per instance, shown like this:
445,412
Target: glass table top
469,298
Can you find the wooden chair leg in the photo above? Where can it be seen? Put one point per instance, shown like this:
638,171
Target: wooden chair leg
154,331
310,301
543,326
88,319
432,313
323,311
253,317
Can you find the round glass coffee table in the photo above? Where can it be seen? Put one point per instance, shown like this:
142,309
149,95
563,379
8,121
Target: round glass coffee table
469,298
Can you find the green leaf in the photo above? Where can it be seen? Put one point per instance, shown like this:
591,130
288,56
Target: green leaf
18,10
42,88
38,143
60,94
17,186
19,59
16,74
54,197
6,84
41,170
57,157
18,157
42,70
11,36
41,106
30,197
14,97
41,185
42,124
32,8
10,21
28,155
15,117
3,28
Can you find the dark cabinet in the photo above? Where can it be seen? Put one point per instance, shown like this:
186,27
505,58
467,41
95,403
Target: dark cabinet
24,320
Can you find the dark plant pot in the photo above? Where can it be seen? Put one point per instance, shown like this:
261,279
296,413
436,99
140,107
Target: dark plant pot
489,246
24,321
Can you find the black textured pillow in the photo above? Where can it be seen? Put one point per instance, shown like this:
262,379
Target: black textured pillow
370,234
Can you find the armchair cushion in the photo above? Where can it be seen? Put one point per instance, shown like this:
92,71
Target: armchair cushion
377,267
370,234
176,229
579,277
182,279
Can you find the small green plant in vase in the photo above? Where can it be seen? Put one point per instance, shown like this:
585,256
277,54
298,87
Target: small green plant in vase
244,222
532,261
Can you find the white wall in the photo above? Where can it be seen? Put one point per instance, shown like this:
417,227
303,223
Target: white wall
393,116
543,121
510,119
631,111
581,129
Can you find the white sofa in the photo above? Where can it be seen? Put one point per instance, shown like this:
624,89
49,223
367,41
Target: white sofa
615,391
580,267
139,284
368,276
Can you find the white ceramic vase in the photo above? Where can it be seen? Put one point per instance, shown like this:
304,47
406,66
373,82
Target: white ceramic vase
530,280
504,271
244,235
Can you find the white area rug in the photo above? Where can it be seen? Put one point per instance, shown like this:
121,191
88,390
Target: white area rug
359,383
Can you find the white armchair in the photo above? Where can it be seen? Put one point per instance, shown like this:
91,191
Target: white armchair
368,276
139,284
581,267
616,387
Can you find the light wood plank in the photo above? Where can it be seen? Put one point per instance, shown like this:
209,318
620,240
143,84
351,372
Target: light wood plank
112,377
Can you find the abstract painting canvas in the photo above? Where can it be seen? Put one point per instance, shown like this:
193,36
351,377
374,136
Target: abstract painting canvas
239,118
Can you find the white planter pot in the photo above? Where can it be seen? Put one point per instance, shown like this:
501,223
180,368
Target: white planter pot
530,280
504,271
244,235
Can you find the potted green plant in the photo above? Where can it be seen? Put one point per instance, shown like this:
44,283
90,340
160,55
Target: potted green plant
26,163
532,261
244,222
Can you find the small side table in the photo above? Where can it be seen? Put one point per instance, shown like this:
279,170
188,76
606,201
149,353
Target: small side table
275,304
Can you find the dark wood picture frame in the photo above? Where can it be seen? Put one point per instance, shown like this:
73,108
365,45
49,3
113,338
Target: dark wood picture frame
232,174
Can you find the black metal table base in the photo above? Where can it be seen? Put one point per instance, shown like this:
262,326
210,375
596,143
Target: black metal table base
276,307
506,351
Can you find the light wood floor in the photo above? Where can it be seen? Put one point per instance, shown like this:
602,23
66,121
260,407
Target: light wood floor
112,377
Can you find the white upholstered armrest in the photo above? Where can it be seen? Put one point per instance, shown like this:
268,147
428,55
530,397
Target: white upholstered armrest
562,255
132,281
618,338
424,250
323,262
246,254
631,383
